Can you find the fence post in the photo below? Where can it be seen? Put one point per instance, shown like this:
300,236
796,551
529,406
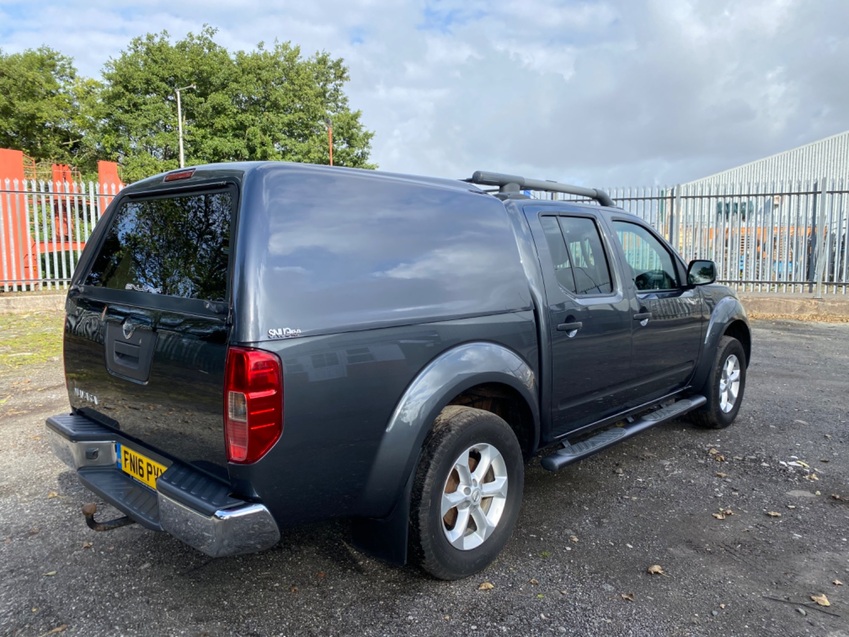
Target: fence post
5,188
817,248
676,207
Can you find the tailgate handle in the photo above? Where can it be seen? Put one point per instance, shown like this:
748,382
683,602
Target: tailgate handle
129,349
127,355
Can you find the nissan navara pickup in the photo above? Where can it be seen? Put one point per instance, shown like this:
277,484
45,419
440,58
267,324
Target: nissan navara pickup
252,346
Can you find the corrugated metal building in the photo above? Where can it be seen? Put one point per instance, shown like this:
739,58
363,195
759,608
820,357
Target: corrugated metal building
778,224
824,159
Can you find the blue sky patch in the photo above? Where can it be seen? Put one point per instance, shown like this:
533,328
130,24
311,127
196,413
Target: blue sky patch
443,19
357,35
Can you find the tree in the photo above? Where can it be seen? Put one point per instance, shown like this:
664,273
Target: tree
262,104
45,109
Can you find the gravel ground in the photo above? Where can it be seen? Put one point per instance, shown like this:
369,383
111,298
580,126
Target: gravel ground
746,524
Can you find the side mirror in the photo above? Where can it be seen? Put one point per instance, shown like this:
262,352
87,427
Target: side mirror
701,272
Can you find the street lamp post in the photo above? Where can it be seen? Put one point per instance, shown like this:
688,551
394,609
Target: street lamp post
180,120
329,125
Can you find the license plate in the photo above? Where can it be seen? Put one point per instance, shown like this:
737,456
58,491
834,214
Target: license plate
139,466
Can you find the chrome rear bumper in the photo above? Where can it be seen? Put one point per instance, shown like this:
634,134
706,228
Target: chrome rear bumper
188,504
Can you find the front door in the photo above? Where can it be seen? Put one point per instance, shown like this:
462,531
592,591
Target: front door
669,315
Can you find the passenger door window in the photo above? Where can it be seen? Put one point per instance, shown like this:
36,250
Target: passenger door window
578,255
651,264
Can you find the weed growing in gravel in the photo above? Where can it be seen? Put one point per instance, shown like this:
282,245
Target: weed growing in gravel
30,338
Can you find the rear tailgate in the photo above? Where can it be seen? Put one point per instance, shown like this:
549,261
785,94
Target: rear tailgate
147,322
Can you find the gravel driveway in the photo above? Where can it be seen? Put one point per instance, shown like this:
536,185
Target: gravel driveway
745,525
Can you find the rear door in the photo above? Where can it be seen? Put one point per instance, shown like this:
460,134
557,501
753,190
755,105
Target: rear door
589,320
147,326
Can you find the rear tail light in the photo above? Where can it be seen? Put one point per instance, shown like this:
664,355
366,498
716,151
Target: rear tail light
253,403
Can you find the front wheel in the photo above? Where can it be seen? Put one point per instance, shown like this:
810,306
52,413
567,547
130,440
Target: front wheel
467,493
724,387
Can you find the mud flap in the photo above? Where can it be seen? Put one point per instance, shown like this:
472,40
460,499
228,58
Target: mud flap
386,538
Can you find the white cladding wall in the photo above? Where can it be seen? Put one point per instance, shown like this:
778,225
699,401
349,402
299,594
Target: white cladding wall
824,159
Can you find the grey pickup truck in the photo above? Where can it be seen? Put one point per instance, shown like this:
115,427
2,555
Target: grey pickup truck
252,346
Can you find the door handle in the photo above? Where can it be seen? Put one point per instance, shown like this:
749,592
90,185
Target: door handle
574,326
643,318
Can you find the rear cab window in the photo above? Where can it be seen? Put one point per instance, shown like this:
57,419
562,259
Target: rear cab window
175,245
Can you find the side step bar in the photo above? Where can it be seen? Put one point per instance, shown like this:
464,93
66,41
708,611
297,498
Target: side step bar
608,437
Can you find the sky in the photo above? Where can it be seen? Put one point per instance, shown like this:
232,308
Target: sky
597,93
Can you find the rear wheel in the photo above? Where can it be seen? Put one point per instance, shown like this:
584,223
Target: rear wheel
467,493
724,387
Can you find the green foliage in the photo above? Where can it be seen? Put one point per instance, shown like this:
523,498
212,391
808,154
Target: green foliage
45,109
262,104
270,103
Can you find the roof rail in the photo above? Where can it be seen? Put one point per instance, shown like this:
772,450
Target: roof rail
514,183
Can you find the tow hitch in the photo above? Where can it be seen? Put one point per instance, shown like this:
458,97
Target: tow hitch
91,508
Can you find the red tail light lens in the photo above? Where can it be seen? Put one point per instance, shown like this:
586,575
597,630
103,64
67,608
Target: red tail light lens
253,403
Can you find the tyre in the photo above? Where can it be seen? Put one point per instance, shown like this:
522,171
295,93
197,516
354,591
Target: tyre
724,386
467,493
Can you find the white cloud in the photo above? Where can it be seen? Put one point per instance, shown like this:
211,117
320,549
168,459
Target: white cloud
595,92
